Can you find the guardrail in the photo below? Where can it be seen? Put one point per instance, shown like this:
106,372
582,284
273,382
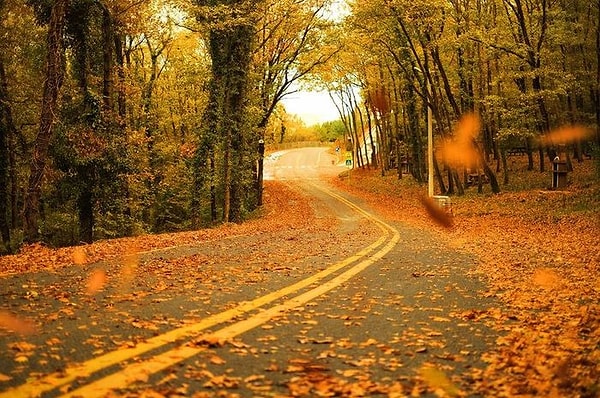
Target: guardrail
294,145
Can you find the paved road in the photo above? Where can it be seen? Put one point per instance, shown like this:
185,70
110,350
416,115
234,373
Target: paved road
354,310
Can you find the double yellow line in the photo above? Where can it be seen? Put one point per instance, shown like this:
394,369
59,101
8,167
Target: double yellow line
141,370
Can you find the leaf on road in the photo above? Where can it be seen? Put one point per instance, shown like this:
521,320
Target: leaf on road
210,340
217,360
222,381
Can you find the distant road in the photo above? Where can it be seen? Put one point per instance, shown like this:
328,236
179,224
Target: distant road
301,164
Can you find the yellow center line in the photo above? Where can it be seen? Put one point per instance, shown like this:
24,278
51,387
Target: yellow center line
140,371
50,382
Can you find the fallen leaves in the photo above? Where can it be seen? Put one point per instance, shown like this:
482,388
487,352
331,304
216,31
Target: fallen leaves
79,256
547,279
540,255
23,350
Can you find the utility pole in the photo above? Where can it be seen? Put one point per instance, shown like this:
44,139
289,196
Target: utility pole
429,142
259,172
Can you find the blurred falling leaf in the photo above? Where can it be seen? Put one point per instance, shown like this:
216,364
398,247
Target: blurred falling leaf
96,281
467,128
438,381
436,213
460,150
546,278
79,256
566,135
130,260
14,324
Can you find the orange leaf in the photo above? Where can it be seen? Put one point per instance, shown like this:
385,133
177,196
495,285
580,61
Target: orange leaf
436,213
566,135
467,128
12,323
79,256
460,151
546,278
96,281
438,381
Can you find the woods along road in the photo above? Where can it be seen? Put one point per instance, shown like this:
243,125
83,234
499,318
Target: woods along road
338,302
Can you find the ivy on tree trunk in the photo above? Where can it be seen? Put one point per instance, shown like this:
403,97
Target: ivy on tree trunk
227,120
53,82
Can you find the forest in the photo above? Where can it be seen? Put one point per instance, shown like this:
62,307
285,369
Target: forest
125,117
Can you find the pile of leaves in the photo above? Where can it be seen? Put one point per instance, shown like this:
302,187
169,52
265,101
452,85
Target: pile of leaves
539,251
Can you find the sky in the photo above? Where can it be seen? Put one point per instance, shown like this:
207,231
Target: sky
313,107
316,107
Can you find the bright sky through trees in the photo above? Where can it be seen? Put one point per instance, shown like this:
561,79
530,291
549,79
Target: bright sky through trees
315,107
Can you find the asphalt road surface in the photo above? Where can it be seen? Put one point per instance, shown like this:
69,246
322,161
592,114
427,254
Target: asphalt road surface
363,308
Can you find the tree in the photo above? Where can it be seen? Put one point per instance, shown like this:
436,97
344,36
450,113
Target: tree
330,131
6,128
230,40
54,79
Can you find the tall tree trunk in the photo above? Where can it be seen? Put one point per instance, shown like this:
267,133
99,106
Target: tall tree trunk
107,58
5,126
121,96
52,85
231,50
417,167
5,133
84,169
213,188
85,204
597,89
236,102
